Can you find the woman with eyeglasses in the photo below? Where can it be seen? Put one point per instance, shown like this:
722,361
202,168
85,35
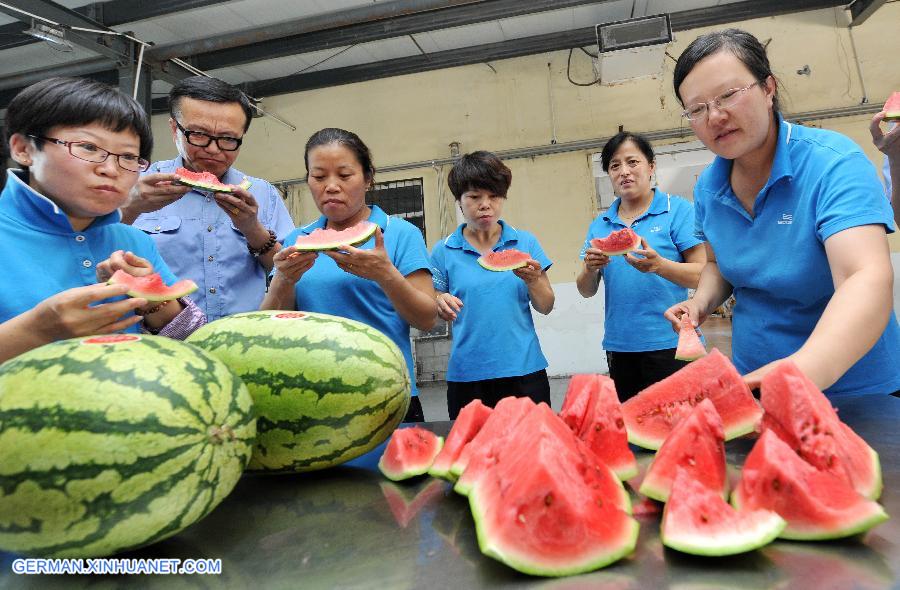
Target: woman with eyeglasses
795,221
638,287
81,146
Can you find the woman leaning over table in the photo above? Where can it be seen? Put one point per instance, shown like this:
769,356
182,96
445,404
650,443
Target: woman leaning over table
385,282
495,351
795,220
638,287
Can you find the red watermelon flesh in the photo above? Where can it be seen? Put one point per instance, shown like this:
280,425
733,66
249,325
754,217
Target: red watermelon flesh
321,239
504,260
697,445
409,453
690,348
816,504
651,414
892,107
802,416
593,412
697,520
618,242
207,181
406,508
467,424
507,413
545,520
152,287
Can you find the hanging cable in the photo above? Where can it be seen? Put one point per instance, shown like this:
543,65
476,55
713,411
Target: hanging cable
569,72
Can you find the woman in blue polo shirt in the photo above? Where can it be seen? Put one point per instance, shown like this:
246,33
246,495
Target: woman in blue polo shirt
639,287
495,351
384,282
795,220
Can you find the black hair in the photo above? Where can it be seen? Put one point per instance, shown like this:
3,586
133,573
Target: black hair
479,170
348,139
616,141
741,44
210,90
74,102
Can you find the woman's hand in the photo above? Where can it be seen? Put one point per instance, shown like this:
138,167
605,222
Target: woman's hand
595,260
888,143
448,306
127,261
690,307
78,312
651,261
291,264
530,272
371,264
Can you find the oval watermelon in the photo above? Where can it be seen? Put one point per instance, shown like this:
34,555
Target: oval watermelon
329,239
618,242
504,260
113,442
152,287
326,389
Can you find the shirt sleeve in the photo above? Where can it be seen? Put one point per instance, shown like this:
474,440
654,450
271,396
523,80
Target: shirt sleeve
411,254
534,248
682,230
185,323
850,195
439,268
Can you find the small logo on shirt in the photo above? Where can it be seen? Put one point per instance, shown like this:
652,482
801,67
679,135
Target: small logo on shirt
655,229
786,219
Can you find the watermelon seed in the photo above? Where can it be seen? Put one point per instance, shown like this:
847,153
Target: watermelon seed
831,460
691,461
620,423
598,427
639,420
521,518
704,519
600,502
776,485
548,499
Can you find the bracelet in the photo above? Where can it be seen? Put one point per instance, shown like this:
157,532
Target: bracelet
154,309
257,252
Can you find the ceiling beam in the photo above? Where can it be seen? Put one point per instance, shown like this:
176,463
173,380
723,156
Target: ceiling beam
861,10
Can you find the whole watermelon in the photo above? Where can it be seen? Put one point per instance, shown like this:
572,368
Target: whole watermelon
110,443
326,389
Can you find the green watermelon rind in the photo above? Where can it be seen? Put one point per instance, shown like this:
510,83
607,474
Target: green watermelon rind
721,545
245,184
412,471
737,429
352,240
854,528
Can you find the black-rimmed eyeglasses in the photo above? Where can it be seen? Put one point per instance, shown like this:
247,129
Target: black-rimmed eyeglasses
201,139
697,111
89,152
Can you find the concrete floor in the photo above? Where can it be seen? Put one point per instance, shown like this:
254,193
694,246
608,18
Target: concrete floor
434,395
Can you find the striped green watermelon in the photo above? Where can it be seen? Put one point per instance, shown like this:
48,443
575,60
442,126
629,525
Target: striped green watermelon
326,389
113,442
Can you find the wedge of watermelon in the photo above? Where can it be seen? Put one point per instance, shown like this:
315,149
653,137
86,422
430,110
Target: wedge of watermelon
651,414
892,107
802,417
507,413
409,453
152,287
504,260
697,520
207,181
467,424
696,445
618,242
816,504
592,410
321,239
690,348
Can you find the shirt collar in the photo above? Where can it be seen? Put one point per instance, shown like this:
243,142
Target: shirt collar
660,204
39,212
508,235
376,216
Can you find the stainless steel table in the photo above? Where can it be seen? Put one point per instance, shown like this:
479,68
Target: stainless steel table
349,527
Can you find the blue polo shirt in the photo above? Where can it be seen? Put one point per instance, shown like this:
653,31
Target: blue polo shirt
493,334
325,288
44,255
635,301
821,183
200,242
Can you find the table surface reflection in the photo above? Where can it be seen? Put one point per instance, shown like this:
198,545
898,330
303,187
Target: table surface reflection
349,527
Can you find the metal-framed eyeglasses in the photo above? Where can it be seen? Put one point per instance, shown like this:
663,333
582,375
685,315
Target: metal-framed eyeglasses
201,139
89,152
700,110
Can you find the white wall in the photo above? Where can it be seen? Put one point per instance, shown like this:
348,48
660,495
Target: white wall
572,334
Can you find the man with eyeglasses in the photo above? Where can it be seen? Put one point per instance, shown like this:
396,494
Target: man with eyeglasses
222,241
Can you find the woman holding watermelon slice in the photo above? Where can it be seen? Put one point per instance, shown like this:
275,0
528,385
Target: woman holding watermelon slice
640,285
384,282
487,363
795,221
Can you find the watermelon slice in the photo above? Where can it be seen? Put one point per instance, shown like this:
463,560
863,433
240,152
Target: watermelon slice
696,445
592,411
690,348
892,107
651,414
321,239
207,181
467,424
406,508
697,520
409,453
618,242
507,413
152,287
543,517
504,260
802,416
816,504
